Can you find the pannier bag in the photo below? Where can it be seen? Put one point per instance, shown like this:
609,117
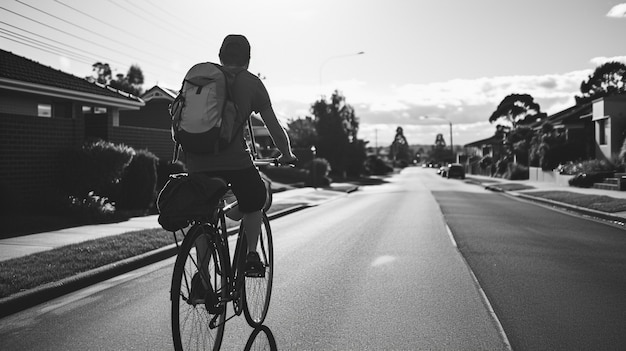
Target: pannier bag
188,197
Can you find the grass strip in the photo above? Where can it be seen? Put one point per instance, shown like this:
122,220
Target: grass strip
513,186
23,273
596,202
27,272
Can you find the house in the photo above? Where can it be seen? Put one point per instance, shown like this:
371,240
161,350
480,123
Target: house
477,150
594,130
154,116
42,111
609,121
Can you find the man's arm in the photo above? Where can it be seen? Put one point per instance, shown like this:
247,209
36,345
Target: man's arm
278,134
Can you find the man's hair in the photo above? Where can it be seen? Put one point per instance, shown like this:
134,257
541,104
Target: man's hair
235,50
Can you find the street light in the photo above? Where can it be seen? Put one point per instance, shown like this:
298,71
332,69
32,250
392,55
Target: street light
336,57
450,123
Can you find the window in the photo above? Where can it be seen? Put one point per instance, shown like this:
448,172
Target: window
44,110
602,125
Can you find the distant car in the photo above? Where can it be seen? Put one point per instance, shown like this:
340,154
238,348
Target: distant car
454,170
440,170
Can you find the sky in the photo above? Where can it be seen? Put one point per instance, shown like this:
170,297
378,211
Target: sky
425,65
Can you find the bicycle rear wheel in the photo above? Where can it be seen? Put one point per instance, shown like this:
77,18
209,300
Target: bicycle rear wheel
257,291
194,327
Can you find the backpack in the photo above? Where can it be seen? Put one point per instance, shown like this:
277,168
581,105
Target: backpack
186,198
204,117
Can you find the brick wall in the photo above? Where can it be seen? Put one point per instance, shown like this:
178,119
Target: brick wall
29,148
154,114
157,141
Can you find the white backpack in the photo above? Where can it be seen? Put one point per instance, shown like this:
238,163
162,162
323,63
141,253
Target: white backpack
204,117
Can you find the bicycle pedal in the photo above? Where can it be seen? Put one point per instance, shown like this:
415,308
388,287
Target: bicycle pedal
255,274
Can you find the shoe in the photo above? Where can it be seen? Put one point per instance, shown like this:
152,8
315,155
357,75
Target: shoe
254,266
201,295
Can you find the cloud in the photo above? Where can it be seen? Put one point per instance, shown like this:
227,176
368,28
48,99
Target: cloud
597,61
66,64
466,103
617,11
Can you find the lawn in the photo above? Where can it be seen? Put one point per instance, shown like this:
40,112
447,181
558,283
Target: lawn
595,202
27,272
30,271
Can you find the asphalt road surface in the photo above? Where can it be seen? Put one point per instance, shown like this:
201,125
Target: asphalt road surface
377,270
557,281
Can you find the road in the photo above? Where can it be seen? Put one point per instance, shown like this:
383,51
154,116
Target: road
373,270
377,270
557,281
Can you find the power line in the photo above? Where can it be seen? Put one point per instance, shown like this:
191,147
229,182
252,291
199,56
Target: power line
58,42
105,23
75,36
62,31
83,28
168,14
35,47
149,20
62,51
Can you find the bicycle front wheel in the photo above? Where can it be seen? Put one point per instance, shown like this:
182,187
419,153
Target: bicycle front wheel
198,291
258,290
261,339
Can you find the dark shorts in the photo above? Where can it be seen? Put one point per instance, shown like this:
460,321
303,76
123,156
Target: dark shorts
247,186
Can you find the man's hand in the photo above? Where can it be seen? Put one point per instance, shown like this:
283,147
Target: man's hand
287,159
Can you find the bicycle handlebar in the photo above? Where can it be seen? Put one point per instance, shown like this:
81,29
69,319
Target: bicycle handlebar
271,162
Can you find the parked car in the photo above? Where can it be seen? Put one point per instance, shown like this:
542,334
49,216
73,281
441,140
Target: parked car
453,170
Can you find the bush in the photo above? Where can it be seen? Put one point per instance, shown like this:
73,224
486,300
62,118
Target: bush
286,175
376,166
587,173
486,162
96,166
516,171
137,188
91,208
586,180
318,170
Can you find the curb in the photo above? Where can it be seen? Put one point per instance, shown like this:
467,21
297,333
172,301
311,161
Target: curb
585,211
33,297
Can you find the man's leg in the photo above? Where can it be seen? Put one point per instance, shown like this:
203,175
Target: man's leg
252,225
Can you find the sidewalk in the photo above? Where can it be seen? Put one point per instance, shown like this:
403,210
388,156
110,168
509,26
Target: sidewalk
14,247
500,185
286,201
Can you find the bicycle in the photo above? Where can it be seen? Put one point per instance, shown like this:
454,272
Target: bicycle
204,262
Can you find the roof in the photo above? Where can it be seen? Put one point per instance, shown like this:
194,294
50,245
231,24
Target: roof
157,92
22,74
492,140
569,115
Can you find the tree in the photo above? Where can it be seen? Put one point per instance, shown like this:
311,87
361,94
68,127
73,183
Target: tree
438,152
518,143
131,83
399,148
337,127
302,132
517,109
607,79
103,72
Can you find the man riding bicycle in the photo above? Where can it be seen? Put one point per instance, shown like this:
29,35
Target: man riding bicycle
234,163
